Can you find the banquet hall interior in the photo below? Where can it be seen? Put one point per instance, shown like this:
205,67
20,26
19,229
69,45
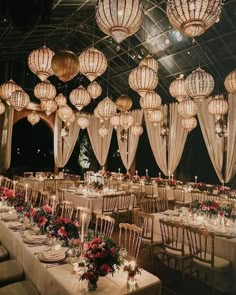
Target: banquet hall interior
117,147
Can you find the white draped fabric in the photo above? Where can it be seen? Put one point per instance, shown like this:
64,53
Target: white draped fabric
5,151
214,145
158,146
177,138
99,144
63,148
128,148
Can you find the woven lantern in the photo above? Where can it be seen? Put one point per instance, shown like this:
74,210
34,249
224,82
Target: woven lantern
65,113
230,82
60,100
6,89
83,121
149,62
218,106
126,120
96,115
187,108
70,121
199,84
94,89
106,108
189,123
65,65
45,90
33,118
115,121
119,18
80,97
177,88
93,63
156,117
102,131
19,100
39,62
2,107
143,79
124,103
136,129
193,18
150,101
49,106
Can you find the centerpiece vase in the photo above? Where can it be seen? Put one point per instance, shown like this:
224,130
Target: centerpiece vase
92,285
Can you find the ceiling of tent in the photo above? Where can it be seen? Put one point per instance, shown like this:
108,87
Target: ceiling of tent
71,24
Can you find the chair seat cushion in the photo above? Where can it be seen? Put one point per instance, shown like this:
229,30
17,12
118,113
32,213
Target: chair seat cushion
19,288
3,253
219,263
178,252
11,271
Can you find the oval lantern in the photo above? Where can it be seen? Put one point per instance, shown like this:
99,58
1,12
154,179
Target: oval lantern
150,101
136,129
7,88
60,100
177,88
149,62
19,100
187,108
189,123
65,113
230,82
45,90
94,89
102,131
80,97
83,121
33,118
156,117
2,107
123,103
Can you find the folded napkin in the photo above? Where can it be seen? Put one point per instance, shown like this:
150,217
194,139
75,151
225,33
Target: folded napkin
8,217
171,213
35,239
14,225
4,209
53,255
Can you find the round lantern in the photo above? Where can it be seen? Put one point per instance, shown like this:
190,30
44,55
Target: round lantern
39,62
150,101
65,65
19,100
60,100
102,131
80,97
115,121
124,103
218,107
177,89
187,108
149,62
83,121
230,82
94,90
65,113
106,108
7,88
143,79
119,18
189,123
199,84
93,63
33,118
136,129
2,107
156,117
126,120
193,18
49,106
45,90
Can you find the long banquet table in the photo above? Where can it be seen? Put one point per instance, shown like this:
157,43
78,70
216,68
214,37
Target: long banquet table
60,280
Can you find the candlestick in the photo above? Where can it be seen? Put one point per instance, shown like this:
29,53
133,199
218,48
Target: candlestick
53,204
103,168
159,174
196,179
147,172
14,188
26,192
119,170
136,172
172,177
82,227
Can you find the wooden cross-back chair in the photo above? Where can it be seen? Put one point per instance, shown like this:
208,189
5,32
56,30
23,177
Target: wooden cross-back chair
198,196
162,192
123,207
60,193
104,225
34,198
67,209
109,203
149,189
43,198
83,212
179,196
148,205
161,204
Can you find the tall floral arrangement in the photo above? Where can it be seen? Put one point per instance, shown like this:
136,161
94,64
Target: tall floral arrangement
43,217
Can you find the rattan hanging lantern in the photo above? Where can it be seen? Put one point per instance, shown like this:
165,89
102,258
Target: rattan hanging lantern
126,120
218,106
80,97
187,108
115,121
45,90
199,84
33,118
94,89
49,106
2,107
193,17
106,108
119,18
60,100
143,79
7,88
177,88
230,82
70,120
149,62
39,62
83,121
136,129
123,103
150,101
156,117
19,100
65,65
103,131
65,113
93,63
189,123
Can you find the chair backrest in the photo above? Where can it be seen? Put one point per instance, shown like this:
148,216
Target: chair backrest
137,200
67,209
173,236
149,190
148,205
109,204
130,237
104,225
50,184
146,222
43,198
162,204
123,202
86,212
201,244
179,195
60,193
162,193
34,198
198,196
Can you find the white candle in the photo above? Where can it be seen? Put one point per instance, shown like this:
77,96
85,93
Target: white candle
195,179
26,192
14,188
103,168
136,172
159,174
147,172
169,175
172,177
82,227
53,204
223,184
119,170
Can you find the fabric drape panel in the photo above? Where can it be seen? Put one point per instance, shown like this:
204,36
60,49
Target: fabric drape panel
99,144
158,146
230,167
128,148
5,152
177,138
214,146
64,148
